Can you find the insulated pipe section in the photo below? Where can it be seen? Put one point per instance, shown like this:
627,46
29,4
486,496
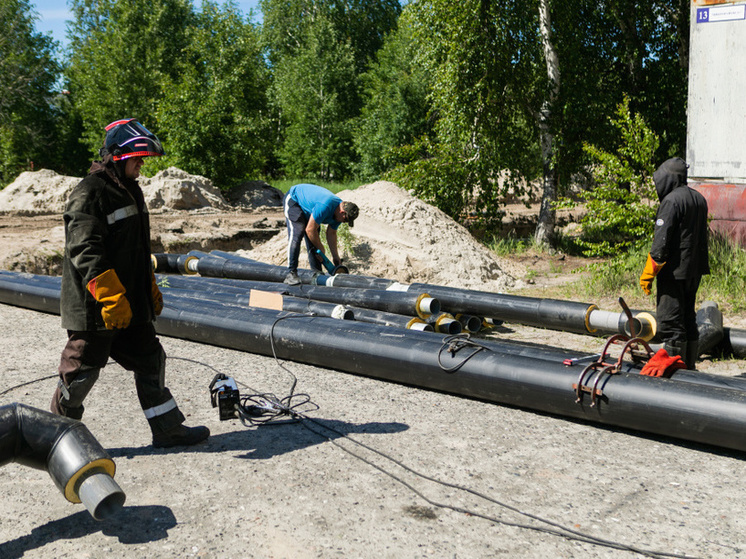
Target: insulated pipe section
606,323
414,304
714,415
568,316
734,342
390,319
241,300
470,323
77,463
445,323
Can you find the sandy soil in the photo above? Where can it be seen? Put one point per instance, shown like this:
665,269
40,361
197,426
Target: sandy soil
284,491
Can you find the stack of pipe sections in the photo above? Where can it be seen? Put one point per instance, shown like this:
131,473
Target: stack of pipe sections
690,405
567,316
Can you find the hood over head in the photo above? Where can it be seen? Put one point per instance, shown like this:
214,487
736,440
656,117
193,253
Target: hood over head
670,175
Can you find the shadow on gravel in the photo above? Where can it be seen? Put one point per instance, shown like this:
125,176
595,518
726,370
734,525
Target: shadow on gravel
131,525
266,441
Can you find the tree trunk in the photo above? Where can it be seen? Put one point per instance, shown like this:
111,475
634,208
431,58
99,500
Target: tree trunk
547,215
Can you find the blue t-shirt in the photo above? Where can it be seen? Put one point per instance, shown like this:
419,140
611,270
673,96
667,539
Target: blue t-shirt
316,201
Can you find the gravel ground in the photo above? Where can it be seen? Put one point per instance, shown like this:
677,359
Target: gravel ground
283,491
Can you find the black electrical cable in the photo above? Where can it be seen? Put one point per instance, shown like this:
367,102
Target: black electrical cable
455,343
276,407
4,392
558,529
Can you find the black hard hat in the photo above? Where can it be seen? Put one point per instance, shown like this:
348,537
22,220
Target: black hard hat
128,138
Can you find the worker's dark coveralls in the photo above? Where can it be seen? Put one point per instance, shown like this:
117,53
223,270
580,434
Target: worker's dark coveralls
107,227
681,242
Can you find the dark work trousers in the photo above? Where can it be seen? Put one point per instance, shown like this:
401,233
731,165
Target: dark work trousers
675,312
297,221
136,348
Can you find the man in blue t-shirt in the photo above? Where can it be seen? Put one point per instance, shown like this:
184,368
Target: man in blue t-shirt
307,206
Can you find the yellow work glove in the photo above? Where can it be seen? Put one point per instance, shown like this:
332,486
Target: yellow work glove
648,274
109,291
157,296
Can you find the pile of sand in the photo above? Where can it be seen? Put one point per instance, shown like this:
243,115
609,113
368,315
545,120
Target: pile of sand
396,236
400,237
37,192
46,192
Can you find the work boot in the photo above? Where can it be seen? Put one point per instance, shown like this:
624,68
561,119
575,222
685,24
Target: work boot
692,354
180,435
292,278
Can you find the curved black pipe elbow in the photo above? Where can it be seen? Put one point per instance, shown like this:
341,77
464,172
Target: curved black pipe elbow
77,463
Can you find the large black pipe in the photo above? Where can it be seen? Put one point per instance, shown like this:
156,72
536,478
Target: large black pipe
713,414
23,288
568,316
415,304
76,462
710,326
286,302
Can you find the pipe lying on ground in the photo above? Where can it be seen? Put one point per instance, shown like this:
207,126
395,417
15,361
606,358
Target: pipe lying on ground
22,291
469,323
714,415
384,318
290,303
685,407
445,323
568,316
415,304
66,449
262,299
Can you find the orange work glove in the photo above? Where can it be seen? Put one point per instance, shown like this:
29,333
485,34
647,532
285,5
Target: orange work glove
648,274
157,296
109,291
662,365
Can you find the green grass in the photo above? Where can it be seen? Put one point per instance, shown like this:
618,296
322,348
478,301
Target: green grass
335,187
619,276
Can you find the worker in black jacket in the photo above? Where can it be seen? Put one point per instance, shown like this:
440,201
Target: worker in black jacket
109,297
678,258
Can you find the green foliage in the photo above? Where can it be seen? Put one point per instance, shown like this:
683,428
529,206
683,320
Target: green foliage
315,91
726,284
122,55
622,203
484,70
212,116
28,71
316,50
396,108
334,187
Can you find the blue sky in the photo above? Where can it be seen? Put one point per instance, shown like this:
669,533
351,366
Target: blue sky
54,13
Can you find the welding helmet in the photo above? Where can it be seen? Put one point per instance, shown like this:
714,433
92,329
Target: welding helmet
128,138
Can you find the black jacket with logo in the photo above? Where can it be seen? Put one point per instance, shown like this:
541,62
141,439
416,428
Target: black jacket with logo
680,228
107,226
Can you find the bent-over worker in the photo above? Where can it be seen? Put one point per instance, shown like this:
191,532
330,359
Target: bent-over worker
306,207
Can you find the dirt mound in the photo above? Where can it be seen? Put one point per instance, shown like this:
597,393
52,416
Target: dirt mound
46,192
174,189
255,194
400,237
37,192
397,236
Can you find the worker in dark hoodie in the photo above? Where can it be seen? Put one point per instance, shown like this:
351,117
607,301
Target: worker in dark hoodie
678,258
109,297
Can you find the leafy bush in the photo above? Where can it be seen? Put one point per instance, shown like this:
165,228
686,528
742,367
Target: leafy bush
622,204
